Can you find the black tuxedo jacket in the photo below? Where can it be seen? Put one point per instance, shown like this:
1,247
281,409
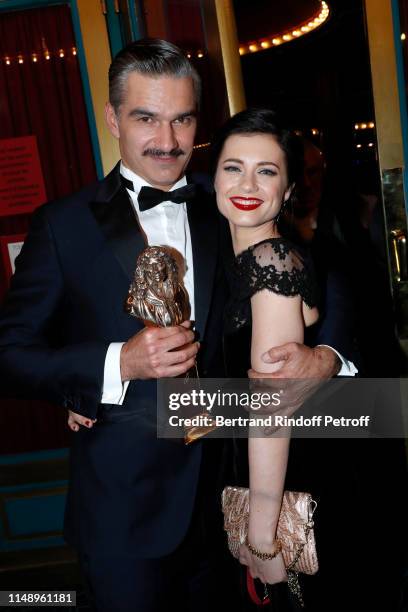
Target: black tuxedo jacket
129,492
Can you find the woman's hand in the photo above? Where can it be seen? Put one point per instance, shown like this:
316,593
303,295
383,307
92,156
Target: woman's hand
269,572
75,420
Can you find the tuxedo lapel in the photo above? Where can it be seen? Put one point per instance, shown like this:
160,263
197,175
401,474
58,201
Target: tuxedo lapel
114,213
117,220
202,220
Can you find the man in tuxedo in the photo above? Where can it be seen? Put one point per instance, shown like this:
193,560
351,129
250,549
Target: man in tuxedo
139,509
134,509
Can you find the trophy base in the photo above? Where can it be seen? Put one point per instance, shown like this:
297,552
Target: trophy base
191,434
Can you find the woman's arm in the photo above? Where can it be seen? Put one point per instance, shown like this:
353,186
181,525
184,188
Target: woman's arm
276,319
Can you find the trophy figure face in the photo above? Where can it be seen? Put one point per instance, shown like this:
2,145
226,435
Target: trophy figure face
157,272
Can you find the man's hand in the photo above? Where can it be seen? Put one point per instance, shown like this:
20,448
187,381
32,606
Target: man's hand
305,369
300,361
75,420
159,352
155,352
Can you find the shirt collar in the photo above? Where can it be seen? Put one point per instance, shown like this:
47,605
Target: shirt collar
138,182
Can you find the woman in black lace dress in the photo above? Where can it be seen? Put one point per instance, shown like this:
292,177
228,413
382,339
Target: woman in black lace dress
258,162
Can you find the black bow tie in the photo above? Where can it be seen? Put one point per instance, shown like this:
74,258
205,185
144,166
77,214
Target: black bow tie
149,196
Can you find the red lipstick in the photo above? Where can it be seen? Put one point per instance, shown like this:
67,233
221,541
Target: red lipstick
246,203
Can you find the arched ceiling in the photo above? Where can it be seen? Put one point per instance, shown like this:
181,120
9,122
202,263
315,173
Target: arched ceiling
267,20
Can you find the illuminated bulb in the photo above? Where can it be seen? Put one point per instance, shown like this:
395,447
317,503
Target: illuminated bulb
305,28
370,144
74,51
356,126
403,37
241,50
296,33
47,56
253,48
315,132
35,59
61,53
311,24
8,62
265,44
20,60
363,126
359,146
200,54
202,146
287,37
189,55
276,41
371,124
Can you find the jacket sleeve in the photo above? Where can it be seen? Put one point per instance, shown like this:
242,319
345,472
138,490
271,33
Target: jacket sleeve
33,362
337,328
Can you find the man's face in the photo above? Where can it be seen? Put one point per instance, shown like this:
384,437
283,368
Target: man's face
310,191
156,125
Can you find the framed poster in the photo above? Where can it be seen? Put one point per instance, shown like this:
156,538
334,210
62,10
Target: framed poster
22,186
10,248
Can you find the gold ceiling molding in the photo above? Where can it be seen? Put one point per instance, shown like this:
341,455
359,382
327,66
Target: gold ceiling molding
295,32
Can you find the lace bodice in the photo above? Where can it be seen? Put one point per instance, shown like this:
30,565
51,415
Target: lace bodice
274,264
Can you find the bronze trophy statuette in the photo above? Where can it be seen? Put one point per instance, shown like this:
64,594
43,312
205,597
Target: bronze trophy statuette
157,297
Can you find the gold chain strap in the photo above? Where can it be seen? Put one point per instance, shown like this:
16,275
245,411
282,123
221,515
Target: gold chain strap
293,575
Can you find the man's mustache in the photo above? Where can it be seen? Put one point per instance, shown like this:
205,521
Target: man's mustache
160,153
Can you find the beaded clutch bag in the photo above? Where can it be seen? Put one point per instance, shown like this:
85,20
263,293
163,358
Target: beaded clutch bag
295,527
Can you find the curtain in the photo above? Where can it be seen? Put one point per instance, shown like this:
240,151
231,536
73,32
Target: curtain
44,98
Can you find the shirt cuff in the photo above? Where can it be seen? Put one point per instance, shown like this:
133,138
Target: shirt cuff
347,367
114,390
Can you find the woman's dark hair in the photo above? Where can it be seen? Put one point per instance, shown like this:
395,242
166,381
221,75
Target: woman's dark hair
262,121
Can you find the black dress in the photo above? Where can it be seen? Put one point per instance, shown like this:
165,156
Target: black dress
275,264
353,574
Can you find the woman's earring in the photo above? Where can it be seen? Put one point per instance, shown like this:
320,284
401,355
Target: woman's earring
278,216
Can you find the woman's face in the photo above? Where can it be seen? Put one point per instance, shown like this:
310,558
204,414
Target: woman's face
251,179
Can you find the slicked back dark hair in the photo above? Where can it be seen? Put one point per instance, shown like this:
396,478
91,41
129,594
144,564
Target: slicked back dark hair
152,57
262,121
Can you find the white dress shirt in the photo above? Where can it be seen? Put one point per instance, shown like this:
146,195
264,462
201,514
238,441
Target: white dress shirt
164,225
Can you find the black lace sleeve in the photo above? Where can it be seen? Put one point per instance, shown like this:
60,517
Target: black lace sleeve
274,264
